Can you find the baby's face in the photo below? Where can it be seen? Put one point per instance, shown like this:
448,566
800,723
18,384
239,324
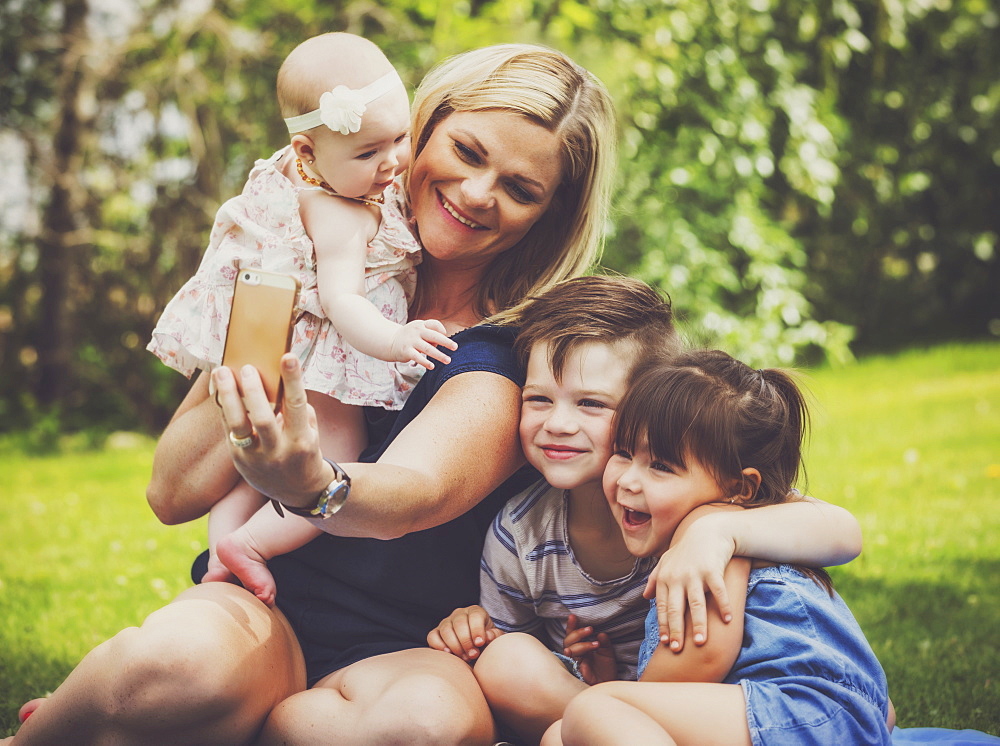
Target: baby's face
364,163
566,422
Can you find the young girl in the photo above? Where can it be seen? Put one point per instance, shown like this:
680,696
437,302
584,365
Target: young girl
703,433
316,209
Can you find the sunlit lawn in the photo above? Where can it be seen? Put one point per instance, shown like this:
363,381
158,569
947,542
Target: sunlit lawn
910,444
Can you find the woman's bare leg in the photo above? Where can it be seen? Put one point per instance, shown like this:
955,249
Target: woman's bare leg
413,697
206,668
525,684
630,712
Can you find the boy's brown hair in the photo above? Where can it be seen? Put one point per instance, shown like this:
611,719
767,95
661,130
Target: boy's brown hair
598,308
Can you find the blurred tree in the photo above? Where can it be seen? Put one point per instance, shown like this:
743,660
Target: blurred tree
790,171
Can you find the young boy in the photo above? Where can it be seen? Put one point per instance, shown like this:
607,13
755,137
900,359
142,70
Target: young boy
555,565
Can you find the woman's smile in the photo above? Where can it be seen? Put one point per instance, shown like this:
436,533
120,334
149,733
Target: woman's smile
453,211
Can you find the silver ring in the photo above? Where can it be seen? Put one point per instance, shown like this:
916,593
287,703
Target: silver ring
242,442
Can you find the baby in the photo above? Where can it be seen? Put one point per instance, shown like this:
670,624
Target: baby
328,209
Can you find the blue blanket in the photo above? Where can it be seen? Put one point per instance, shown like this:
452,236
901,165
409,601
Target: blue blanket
941,737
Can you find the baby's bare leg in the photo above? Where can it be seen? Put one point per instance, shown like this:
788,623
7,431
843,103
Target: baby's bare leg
525,684
227,515
246,550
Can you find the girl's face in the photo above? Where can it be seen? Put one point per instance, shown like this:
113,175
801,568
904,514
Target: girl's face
364,163
650,498
480,183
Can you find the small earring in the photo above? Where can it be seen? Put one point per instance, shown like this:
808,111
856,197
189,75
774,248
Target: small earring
311,161
732,500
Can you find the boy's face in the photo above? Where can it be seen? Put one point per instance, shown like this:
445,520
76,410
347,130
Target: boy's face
566,424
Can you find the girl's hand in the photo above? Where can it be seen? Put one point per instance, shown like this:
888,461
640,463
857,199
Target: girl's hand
419,340
593,652
284,460
693,563
464,633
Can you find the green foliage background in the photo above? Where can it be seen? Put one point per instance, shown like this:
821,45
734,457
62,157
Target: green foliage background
806,179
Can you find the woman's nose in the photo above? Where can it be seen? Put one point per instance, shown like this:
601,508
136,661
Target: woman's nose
478,190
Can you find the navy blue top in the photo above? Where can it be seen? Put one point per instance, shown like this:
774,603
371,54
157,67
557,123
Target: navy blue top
349,598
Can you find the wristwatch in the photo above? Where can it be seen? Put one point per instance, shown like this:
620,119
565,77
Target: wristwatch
330,500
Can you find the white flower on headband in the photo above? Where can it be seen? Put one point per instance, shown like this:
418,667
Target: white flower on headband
342,108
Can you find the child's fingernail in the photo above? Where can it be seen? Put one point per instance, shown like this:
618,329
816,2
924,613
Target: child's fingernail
728,618
478,641
699,637
473,653
675,645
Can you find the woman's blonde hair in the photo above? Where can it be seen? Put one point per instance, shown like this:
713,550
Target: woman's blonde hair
551,90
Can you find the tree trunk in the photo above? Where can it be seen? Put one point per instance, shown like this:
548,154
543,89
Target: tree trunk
60,222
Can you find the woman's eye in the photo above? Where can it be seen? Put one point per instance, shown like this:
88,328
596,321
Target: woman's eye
466,153
520,194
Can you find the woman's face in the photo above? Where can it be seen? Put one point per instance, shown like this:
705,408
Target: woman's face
480,183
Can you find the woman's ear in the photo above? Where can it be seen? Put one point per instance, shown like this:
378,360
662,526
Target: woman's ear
745,489
304,148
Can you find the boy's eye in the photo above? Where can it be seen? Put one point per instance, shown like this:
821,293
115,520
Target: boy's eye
536,398
592,403
366,156
622,454
661,466
402,137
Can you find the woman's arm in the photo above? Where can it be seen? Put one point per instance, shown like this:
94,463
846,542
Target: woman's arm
804,532
462,446
192,468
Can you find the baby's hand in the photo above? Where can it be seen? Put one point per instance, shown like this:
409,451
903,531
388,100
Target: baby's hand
464,633
593,652
418,341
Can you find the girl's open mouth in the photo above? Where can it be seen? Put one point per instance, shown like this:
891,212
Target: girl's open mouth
633,518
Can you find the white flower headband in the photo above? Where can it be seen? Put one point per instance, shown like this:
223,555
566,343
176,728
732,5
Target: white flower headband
342,108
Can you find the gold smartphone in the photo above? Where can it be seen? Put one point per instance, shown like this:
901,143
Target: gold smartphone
260,326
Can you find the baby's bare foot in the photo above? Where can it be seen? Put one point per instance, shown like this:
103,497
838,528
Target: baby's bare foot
236,552
217,571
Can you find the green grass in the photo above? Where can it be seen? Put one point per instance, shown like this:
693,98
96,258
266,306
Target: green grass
910,444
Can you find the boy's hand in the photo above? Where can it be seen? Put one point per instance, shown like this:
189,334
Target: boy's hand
593,652
464,633
693,564
418,341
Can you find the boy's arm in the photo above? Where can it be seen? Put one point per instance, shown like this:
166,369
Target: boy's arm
711,661
340,231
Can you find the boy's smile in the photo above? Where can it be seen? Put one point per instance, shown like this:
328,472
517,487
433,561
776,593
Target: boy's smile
566,422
